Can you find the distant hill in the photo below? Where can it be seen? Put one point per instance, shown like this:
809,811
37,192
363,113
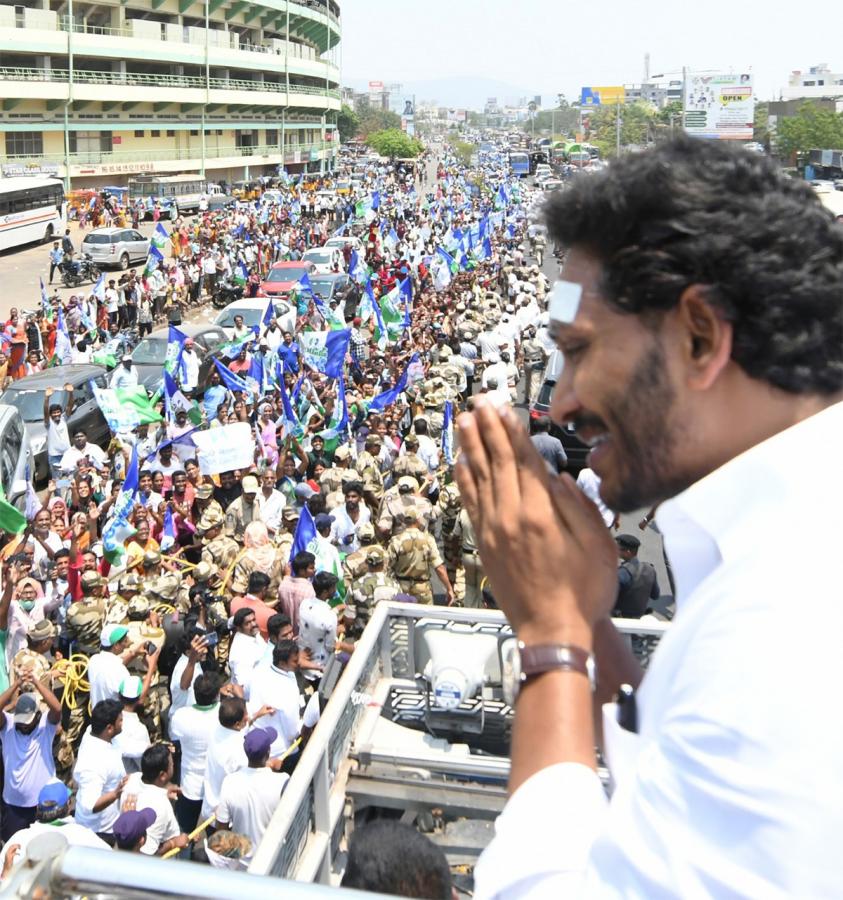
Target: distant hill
468,93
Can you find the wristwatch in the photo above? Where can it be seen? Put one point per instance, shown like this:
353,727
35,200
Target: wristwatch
521,662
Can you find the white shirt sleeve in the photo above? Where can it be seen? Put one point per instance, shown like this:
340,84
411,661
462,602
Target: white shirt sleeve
544,835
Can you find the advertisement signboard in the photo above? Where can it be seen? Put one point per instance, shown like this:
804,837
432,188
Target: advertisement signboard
602,96
408,117
719,106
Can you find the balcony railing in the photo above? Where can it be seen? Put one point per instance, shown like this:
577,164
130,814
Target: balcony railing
194,151
82,76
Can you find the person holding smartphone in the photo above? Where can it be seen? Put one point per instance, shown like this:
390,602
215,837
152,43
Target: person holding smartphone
55,421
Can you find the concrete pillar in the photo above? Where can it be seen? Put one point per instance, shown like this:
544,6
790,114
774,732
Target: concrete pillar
44,63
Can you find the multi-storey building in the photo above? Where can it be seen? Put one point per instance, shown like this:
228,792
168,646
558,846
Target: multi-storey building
229,89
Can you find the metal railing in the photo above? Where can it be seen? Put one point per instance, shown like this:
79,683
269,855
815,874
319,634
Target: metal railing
84,76
302,834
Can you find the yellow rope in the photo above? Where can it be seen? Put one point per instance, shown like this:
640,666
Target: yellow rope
71,673
192,836
177,559
230,569
164,608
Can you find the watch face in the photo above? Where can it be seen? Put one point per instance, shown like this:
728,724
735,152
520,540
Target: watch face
510,670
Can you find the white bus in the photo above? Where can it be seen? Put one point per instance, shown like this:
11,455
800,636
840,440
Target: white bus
173,193
31,209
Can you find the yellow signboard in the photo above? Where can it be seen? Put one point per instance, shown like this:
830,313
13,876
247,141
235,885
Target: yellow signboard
602,96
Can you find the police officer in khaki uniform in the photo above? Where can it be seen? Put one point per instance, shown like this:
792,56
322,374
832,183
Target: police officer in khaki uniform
142,625
369,470
395,504
452,374
410,557
34,662
354,565
284,539
217,548
448,506
341,472
410,463
466,540
205,501
373,587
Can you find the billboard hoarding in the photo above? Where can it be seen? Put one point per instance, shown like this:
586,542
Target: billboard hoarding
375,87
719,106
603,96
408,116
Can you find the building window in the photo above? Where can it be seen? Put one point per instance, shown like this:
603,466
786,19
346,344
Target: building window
171,134
24,143
194,132
139,134
155,134
90,141
271,137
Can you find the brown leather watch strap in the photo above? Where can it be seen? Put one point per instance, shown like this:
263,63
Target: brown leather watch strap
541,658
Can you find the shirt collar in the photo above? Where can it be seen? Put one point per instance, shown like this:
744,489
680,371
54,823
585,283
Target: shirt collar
734,508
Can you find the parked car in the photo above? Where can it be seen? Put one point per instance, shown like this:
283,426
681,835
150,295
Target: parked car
283,277
116,246
575,449
15,456
325,259
252,309
151,352
27,396
338,243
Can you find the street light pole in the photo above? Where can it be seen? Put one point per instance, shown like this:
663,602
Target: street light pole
617,129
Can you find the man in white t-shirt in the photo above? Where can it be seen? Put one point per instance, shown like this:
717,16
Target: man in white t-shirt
187,669
192,727
589,483
247,648
99,771
225,751
190,362
275,686
133,739
82,449
148,789
107,669
250,795
55,421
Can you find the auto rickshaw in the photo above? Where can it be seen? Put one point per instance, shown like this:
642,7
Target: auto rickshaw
246,190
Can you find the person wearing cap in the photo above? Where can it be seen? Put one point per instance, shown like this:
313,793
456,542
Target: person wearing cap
34,662
409,462
395,503
287,533
190,367
428,449
85,617
125,375
372,587
412,555
130,829
27,746
244,510
218,549
354,565
369,470
133,738
249,797
637,580
203,501
149,789
107,670
53,814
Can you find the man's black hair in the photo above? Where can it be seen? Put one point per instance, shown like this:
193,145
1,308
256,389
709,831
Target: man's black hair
258,581
275,623
105,713
695,212
283,651
232,710
355,486
206,688
241,615
301,562
391,857
155,760
324,582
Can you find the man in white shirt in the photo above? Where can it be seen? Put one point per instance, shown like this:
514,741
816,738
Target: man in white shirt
191,727
125,375
112,301
225,751
247,648
703,347
186,670
275,686
349,517
250,795
190,363
82,449
270,501
148,789
99,771
589,484
107,669
55,420
134,736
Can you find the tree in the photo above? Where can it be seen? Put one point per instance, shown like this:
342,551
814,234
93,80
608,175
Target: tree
811,128
372,120
348,123
636,126
463,150
393,143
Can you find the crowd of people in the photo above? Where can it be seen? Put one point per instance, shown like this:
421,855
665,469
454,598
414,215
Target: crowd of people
166,622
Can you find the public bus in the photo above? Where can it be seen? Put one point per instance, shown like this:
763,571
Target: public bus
32,209
520,163
172,193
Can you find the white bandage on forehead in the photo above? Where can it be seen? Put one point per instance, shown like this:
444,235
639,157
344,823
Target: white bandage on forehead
564,302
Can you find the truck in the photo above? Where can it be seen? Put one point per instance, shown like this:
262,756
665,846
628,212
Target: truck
174,194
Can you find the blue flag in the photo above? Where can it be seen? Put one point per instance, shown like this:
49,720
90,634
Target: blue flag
268,315
389,396
325,350
448,433
173,362
305,287
168,536
153,260
64,351
376,200
118,529
340,429
305,536
289,420
230,380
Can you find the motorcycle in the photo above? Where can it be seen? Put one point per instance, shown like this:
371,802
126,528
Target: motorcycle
76,272
225,293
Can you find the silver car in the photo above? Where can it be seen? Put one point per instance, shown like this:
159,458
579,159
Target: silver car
116,246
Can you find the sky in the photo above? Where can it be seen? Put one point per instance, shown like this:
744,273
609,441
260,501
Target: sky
551,46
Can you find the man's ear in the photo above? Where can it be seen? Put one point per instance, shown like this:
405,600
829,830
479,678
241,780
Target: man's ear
706,337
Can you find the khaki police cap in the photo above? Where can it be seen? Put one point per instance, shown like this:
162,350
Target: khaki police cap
204,571
90,580
211,518
375,555
205,491
41,631
151,558
366,530
407,481
166,587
